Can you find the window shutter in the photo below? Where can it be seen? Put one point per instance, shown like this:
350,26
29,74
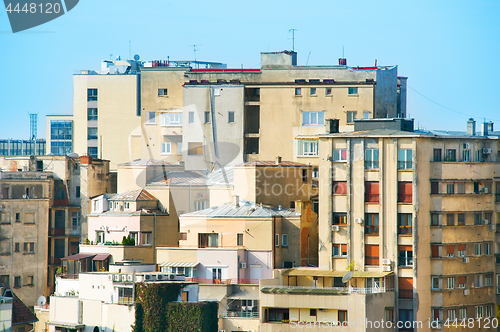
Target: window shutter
461,247
450,249
405,248
461,279
435,250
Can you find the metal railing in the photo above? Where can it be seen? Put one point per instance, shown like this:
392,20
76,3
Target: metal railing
233,281
349,290
239,314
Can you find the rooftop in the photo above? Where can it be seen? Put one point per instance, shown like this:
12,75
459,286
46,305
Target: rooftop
179,178
245,209
138,194
273,164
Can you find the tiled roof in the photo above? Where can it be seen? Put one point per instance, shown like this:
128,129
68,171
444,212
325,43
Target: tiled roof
20,313
244,210
138,194
179,178
272,163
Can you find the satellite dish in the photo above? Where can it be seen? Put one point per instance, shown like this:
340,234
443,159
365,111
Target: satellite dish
347,277
41,301
73,155
136,57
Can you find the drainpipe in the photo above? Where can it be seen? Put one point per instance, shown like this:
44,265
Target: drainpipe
154,239
308,235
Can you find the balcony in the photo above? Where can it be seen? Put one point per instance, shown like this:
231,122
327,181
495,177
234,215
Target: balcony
216,281
302,290
76,230
239,314
406,294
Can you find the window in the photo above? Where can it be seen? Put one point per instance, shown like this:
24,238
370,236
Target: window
92,114
450,250
125,295
29,281
389,314
179,148
287,264
216,92
371,226
207,116
371,192
450,188
91,133
461,281
313,91
278,315
489,311
342,317
239,240
135,236
352,91
208,240
405,192
307,148
477,249
478,280
339,219
488,217
451,155
435,251
284,240
452,315
451,283
171,119
366,114
437,155
339,187
304,175
434,219
488,281
461,250
313,118
477,218
462,313
277,240
487,249
184,236
17,247
461,219
351,115
191,117
404,223
151,117
29,247
479,312
92,151
405,288
195,148
340,155
405,255
328,91
339,250
466,155
461,188
371,158
434,188
405,159
298,91
146,238
99,237
312,312
166,148
18,217
91,94
17,282
450,219
230,117
162,92
436,283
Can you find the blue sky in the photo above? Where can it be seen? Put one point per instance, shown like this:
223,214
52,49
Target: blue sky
447,49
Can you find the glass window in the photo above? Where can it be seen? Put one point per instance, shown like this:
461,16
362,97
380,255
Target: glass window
450,188
462,313
451,283
313,118
371,159
405,159
434,219
91,114
477,249
404,223
146,238
92,151
298,91
351,115
207,117
451,155
166,148
435,283
437,154
91,94
328,91
339,218
230,117
91,133
339,155
466,155
151,117
307,148
313,91
284,240
366,114
371,223
191,117
461,219
353,91
162,92
171,119
239,240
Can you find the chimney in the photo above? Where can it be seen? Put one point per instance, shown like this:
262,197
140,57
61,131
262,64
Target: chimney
278,160
236,200
343,61
490,126
471,127
485,129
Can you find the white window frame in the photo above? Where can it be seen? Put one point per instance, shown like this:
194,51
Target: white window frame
179,148
337,155
488,311
488,281
479,311
100,237
313,118
477,249
151,118
162,92
366,114
487,248
352,91
307,148
171,119
466,155
438,279
372,163
405,160
146,238
351,116
191,117
450,283
462,313
166,148
452,315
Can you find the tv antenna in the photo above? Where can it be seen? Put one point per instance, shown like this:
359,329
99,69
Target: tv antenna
194,50
293,38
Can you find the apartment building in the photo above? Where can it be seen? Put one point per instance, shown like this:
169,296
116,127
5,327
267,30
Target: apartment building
215,115
18,147
417,204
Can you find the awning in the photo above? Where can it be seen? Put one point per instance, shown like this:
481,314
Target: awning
101,257
179,264
67,325
244,295
331,273
77,257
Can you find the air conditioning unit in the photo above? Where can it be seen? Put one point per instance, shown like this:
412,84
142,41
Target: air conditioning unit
243,265
149,277
466,292
130,278
124,277
358,220
492,227
466,145
466,259
386,268
116,277
159,277
386,261
321,309
335,228
172,276
486,150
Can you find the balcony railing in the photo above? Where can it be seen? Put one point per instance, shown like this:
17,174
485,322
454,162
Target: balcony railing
216,281
239,314
76,230
338,290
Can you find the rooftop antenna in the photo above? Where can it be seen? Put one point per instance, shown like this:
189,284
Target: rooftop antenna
33,127
293,38
308,58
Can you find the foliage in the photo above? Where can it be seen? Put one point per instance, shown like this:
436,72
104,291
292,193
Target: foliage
155,312
87,241
128,241
58,270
